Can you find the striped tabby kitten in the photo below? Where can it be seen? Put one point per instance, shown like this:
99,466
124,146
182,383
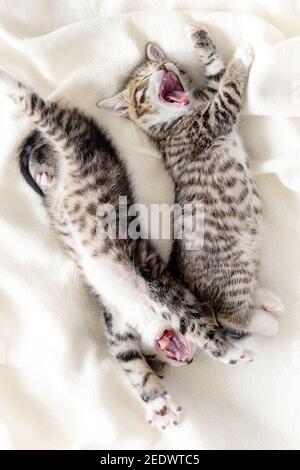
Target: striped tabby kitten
196,133
148,314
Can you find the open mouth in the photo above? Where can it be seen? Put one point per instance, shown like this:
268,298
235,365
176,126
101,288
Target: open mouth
174,346
172,91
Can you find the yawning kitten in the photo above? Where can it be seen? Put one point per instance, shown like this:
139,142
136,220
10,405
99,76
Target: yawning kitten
202,150
148,314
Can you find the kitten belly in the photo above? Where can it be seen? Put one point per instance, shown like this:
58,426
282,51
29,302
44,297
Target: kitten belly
126,295
231,222
124,290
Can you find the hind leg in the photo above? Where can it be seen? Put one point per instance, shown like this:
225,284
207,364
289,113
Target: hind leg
260,318
263,323
267,306
268,301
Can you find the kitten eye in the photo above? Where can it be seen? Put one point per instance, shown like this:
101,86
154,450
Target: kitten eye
142,98
140,95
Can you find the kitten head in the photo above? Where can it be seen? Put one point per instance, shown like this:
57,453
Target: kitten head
158,92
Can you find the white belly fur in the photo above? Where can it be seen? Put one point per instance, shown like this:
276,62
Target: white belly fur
122,291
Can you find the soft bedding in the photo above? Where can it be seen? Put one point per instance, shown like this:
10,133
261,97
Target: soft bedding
59,388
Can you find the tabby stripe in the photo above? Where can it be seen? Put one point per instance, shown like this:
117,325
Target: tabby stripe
217,76
205,94
146,378
234,87
125,336
33,103
211,89
223,113
129,355
210,61
231,100
183,325
243,195
108,322
228,110
237,292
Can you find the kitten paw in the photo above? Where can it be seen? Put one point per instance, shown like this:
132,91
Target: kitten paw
45,180
43,173
245,54
200,38
163,412
192,28
266,300
263,323
236,355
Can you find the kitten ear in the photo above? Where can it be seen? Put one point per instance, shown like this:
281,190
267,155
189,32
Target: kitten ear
155,53
117,104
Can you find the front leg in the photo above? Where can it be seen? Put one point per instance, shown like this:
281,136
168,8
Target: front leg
221,114
198,325
125,346
210,340
212,62
223,111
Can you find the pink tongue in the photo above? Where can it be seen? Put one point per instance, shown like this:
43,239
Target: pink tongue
173,346
180,97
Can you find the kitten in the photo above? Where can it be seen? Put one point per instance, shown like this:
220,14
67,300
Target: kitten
201,148
148,313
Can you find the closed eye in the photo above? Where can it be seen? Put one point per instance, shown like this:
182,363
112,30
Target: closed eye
142,98
140,95
146,77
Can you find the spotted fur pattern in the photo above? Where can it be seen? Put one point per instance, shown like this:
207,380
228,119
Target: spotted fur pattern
204,154
77,169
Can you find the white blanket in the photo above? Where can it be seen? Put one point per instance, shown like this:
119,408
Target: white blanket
59,388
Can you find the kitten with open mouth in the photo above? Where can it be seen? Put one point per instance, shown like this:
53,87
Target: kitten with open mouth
148,312
172,91
175,347
196,133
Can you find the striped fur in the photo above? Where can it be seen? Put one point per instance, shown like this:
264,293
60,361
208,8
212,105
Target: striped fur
77,169
204,154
